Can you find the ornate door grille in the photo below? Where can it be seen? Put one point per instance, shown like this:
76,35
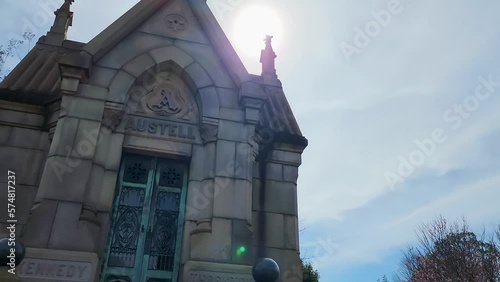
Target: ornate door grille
147,220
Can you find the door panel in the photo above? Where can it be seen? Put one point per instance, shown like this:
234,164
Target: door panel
147,222
123,248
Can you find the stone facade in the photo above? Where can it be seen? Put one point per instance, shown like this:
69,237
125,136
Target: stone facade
161,82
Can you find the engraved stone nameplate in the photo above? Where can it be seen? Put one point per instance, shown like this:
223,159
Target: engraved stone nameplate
158,127
209,276
55,270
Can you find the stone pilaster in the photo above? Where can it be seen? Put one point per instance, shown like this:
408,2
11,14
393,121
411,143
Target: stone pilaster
64,215
275,207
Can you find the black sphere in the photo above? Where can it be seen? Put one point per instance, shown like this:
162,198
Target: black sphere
5,254
266,270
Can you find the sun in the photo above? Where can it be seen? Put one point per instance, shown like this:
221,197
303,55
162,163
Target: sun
252,25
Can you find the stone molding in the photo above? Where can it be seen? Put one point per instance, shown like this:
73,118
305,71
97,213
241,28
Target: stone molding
113,115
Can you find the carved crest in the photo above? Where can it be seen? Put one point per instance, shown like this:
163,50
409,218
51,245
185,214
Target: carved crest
165,100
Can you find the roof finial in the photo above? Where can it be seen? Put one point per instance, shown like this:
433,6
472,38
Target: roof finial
64,19
267,58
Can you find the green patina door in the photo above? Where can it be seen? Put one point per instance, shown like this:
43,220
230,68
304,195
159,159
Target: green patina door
144,242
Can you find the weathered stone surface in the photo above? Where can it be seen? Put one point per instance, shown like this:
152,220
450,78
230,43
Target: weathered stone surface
190,31
291,232
92,91
26,163
104,220
207,58
225,159
65,179
228,98
209,161
233,131
214,247
209,102
82,108
286,157
232,114
69,233
139,64
69,84
273,229
86,138
115,152
37,232
103,146
109,148
252,115
243,196
198,75
225,204
232,199
132,46
44,141
102,76
196,168
171,53
290,173
107,191
199,202
244,161
186,240
274,171
22,118
284,191
64,136
25,138
242,237
94,186
5,134
120,86
157,145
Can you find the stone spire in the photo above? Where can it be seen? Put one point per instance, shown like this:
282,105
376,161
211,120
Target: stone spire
267,57
64,19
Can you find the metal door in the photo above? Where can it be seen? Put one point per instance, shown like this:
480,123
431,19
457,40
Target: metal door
144,242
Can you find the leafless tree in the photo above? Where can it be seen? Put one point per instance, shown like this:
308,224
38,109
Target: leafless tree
450,252
13,49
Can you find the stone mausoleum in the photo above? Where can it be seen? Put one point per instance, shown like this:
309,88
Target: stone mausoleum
149,153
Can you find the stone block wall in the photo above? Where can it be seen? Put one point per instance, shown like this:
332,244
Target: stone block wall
24,145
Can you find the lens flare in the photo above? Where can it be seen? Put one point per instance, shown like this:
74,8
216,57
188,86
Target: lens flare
252,25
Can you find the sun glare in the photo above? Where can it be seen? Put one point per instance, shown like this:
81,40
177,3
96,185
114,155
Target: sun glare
252,25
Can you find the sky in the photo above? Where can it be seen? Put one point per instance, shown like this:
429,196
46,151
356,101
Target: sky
399,101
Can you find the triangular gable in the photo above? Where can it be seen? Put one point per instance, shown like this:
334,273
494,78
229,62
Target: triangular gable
138,16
